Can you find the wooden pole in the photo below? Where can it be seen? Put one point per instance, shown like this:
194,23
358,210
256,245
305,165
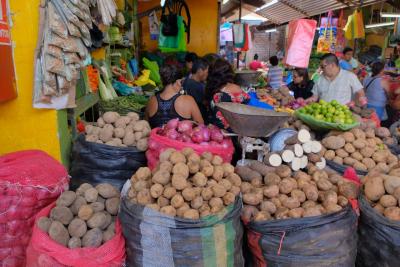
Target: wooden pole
240,21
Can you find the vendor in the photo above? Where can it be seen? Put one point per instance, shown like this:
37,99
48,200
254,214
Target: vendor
337,84
221,88
302,85
171,103
195,85
256,64
377,90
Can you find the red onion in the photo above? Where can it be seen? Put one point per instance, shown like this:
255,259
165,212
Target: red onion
216,135
172,124
225,143
204,144
185,126
214,144
153,145
197,137
186,138
172,134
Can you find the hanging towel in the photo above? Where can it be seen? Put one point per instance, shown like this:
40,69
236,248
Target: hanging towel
239,35
355,26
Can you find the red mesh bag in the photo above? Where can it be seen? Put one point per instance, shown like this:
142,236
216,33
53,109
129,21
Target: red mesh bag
44,252
29,181
158,143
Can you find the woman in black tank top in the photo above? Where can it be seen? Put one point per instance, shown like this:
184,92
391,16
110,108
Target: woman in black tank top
170,103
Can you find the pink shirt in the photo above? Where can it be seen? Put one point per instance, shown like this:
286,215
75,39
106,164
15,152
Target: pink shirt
255,65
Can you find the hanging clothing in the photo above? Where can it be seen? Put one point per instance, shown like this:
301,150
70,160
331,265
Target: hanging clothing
165,111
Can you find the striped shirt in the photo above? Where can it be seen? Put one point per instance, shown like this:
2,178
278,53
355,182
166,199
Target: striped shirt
275,75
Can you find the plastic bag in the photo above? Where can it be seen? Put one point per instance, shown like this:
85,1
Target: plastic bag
323,125
26,187
157,240
300,41
55,23
95,163
158,143
54,51
45,252
342,168
154,70
379,238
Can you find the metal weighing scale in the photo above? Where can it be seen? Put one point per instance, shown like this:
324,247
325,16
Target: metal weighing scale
250,124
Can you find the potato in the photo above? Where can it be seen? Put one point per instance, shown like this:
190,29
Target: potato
283,171
166,154
142,144
358,133
77,228
379,208
228,169
162,177
133,116
197,202
85,212
208,171
179,182
282,213
97,220
91,195
193,167
82,189
367,152
138,136
382,132
324,184
299,195
234,179
207,156
129,139
286,186
308,204
296,213
194,158
106,134
248,212
144,197
216,202
349,148
311,192
391,183
177,157
226,183
97,206
349,190
141,126
357,156
392,213
311,212
369,163
191,214
109,219
44,224
282,198
217,160
218,173
333,208
333,142
359,144
74,242
338,160
156,190
92,238
163,201
291,203
396,193
329,155
245,187
112,205
108,235
119,132
182,209
181,169
262,216
169,192
66,199
59,233
168,210
61,214
154,206
272,179
271,191
199,179
330,198
140,185
218,190
334,178
228,198
379,156
110,117
276,202
342,153
206,193
187,151
342,201
235,190
348,137
388,201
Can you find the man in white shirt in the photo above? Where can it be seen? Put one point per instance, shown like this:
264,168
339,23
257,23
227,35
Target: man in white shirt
337,84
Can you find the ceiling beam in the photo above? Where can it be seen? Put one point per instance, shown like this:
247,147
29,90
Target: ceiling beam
343,2
394,4
269,18
296,8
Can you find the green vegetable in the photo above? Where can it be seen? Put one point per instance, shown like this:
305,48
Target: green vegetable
124,104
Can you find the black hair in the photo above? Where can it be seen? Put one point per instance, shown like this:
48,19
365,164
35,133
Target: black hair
303,73
347,49
219,74
199,64
255,56
377,68
170,74
330,58
274,61
190,57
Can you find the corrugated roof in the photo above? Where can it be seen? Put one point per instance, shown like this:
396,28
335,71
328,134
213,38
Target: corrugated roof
286,10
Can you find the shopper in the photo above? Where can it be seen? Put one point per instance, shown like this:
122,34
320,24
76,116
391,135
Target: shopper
195,85
242,61
171,103
337,84
302,85
376,90
275,73
256,64
189,59
221,88
348,62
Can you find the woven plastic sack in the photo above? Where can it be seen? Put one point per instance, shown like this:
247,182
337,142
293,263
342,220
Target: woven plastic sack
154,239
300,41
45,252
158,143
379,238
323,125
29,181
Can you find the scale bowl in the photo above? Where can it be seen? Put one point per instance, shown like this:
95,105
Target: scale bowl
250,121
247,78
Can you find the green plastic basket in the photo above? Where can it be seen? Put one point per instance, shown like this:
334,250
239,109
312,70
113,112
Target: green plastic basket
323,125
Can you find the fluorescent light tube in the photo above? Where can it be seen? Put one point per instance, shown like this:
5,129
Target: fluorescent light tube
273,2
390,15
383,24
271,30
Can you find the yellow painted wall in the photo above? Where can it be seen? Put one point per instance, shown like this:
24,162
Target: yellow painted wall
375,39
23,127
203,30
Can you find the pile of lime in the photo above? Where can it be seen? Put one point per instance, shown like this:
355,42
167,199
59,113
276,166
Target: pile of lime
332,112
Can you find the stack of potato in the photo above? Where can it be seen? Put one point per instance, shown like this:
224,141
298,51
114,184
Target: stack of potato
121,131
279,193
362,149
382,191
85,218
186,185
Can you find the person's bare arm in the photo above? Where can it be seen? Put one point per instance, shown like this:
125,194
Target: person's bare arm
196,114
312,99
149,107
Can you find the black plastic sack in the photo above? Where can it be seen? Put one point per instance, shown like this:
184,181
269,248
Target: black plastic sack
379,239
342,168
95,163
153,239
328,240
